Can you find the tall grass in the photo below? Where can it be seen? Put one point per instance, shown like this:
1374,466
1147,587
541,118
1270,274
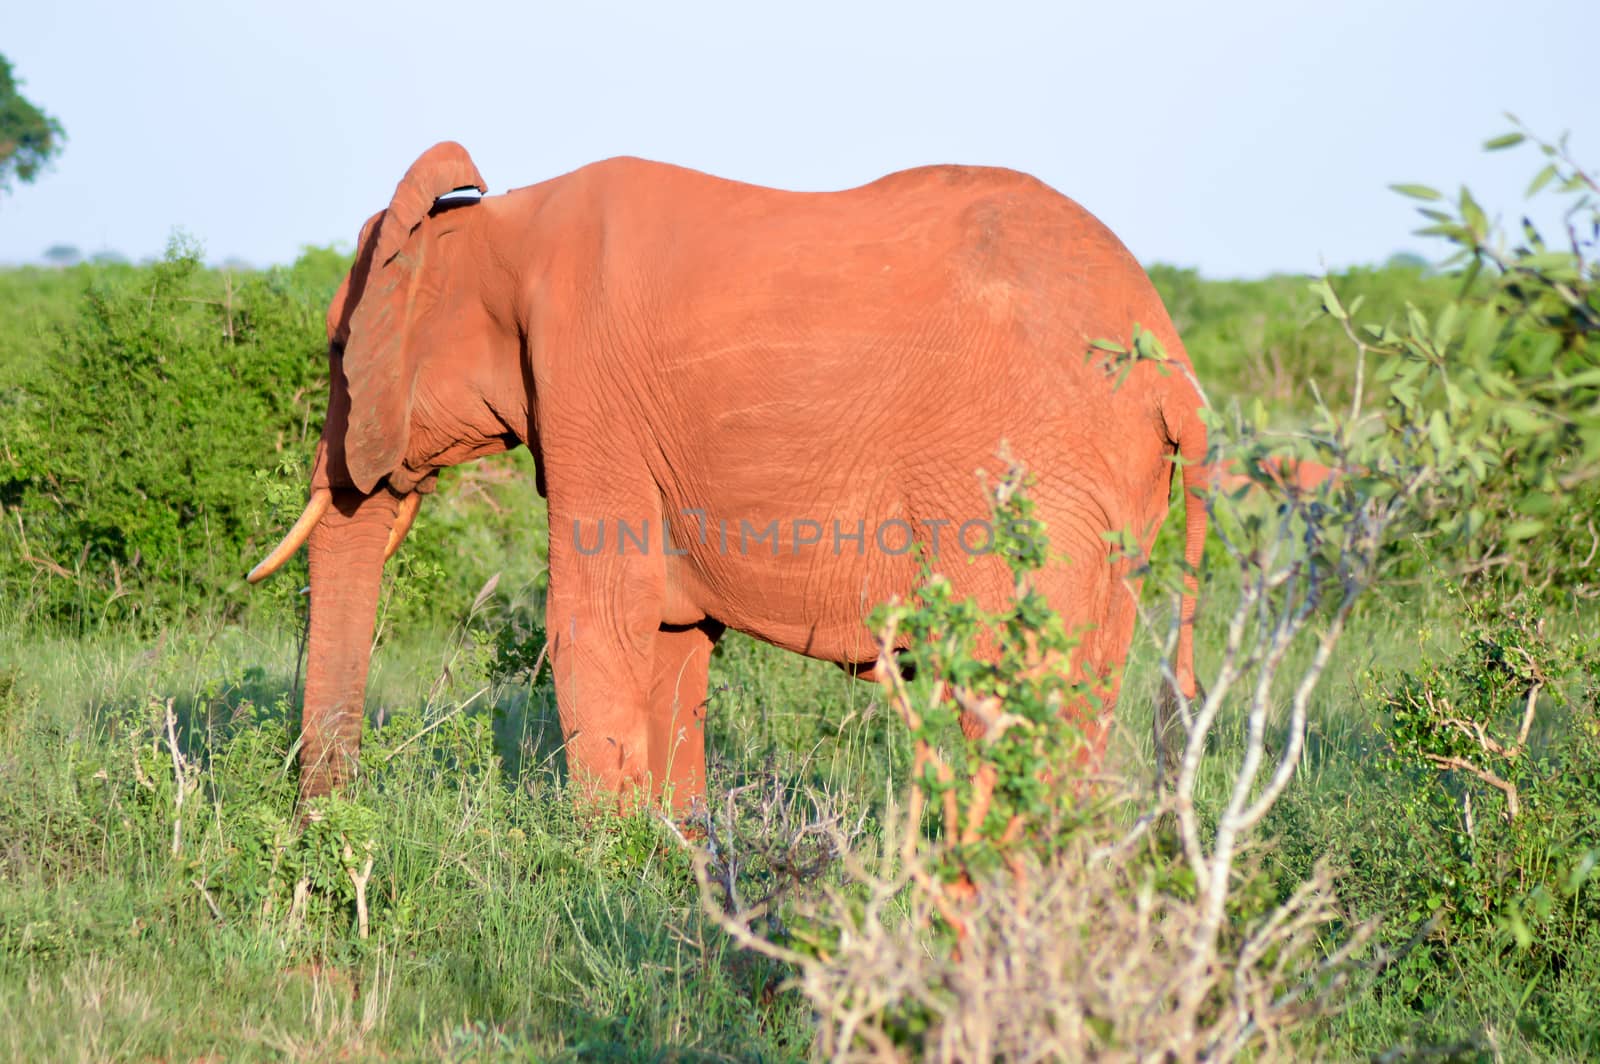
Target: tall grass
504,925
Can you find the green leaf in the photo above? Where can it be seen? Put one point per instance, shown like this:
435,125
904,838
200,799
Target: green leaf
1458,233
1330,302
1504,140
1444,327
1473,215
1146,345
1527,528
1590,439
1438,431
1421,192
1536,504
1522,420
1560,265
1416,322
1530,233
1469,276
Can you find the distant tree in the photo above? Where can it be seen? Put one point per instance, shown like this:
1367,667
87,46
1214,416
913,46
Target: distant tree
108,257
1407,260
62,255
29,138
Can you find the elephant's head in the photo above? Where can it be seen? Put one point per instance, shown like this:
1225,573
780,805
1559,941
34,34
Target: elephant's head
397,326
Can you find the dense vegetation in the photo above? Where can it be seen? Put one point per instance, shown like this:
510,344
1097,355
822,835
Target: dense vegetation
157,901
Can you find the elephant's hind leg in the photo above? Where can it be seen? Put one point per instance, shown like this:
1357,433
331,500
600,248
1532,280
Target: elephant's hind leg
1098,605
677,733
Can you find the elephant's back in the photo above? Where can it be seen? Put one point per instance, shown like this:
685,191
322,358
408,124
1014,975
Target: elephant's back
920,305
850,345
685,222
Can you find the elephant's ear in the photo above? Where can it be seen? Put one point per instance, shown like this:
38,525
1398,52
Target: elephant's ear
442,169
330,467
379,367
343,307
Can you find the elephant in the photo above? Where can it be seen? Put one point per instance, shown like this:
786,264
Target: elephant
730,392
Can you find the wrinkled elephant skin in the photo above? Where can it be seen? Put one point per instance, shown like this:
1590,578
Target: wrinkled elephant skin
797,385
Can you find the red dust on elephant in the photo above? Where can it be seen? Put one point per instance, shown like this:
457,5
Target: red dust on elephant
750,409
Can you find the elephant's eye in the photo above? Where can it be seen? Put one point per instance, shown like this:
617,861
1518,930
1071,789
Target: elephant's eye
337,347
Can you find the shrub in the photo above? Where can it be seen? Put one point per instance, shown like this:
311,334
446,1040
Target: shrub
164,442
1509,372
130,457
1269,338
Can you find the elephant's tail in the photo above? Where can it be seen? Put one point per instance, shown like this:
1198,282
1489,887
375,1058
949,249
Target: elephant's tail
1190,440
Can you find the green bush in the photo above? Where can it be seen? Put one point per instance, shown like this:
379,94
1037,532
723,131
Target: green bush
1501,384
1477,841
1269,339
130,452
157,426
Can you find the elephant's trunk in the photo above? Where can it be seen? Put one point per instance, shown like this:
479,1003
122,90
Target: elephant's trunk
347,549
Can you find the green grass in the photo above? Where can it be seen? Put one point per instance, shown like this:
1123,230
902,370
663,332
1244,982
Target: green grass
505,925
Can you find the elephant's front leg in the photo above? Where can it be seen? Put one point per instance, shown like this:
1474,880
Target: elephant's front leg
677,711
603,614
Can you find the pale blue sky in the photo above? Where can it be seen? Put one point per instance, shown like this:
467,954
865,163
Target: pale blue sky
1239,137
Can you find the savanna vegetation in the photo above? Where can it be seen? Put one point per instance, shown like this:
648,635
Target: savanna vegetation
1375,836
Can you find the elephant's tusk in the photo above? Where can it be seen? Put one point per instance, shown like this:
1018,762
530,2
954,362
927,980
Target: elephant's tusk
316,506
409,505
